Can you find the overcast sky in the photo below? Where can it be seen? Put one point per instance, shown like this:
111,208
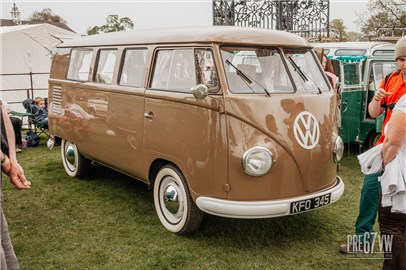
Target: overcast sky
81,15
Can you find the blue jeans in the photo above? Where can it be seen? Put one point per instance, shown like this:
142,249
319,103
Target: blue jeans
368,206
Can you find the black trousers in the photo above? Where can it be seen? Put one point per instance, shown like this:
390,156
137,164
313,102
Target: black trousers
393,224
17,126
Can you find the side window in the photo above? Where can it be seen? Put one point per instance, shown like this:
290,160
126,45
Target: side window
105,66
79,64
352,74
206,69
174,70
380,70
133,67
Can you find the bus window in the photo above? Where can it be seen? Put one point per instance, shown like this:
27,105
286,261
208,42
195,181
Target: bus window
351,74
263,66
380,70
174,70
133,67
79,64
105,66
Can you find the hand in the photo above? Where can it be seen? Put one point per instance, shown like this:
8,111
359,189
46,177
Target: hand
380,94
17,177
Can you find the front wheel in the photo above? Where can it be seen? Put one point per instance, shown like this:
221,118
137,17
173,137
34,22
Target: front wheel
74,163
173,203
372,139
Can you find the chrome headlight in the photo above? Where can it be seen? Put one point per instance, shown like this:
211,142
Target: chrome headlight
257,161
338,149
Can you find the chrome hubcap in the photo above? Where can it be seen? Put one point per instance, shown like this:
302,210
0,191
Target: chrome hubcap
70,156
171,199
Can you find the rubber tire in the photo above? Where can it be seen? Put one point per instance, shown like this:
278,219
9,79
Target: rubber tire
80,167
372,139
188,217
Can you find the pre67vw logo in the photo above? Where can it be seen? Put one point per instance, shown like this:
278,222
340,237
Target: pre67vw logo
306,130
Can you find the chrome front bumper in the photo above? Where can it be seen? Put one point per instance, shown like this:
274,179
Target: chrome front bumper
263,209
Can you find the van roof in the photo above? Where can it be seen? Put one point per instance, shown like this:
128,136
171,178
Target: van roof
214,34
361,49
348,45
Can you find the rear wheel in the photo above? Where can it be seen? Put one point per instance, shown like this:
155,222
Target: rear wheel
173,203
74,163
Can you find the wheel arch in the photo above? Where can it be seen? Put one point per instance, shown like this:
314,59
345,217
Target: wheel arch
156,165
371,139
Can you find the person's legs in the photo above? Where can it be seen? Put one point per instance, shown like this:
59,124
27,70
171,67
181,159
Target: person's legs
368,205
17,126
7,248
393,225
368,209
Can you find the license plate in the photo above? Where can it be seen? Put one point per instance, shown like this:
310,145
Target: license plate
309,204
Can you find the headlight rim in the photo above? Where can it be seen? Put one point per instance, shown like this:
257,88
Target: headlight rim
337,144
249,152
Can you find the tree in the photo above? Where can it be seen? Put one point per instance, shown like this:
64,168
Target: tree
46,15
338,26
355,36
383,14
113,24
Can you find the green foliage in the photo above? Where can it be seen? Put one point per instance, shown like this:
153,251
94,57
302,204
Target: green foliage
46,15
108,221
354,36
338,26
383,14
113,24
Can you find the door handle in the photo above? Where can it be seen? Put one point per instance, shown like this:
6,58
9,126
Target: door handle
149,115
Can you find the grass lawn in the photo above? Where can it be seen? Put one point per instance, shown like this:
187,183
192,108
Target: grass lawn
108,221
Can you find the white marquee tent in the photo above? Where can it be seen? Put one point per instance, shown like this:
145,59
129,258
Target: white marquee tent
26,55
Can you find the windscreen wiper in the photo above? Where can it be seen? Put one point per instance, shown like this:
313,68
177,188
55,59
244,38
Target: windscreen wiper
298,70
301,73
245,77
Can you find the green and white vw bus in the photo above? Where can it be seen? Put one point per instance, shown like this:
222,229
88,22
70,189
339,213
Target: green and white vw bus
360,67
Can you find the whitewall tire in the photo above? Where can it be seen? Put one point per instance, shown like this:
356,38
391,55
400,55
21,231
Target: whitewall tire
173,203
74,163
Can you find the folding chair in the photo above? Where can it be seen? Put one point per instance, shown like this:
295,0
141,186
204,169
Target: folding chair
37,117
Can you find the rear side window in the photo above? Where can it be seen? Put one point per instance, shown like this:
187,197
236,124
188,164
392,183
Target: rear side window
105,66
133,67
79,64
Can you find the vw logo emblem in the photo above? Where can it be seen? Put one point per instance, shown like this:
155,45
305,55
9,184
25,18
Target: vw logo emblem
307,131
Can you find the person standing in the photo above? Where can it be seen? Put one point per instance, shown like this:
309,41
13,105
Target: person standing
333,79
392,210
17,126
329,70
10,167
391,89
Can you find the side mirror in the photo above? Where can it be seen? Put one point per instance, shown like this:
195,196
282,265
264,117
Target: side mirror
200,91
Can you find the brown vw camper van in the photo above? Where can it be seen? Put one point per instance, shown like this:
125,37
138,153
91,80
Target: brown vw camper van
234,122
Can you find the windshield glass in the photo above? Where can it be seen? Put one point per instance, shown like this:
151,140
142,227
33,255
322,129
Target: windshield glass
255,70
263,70
305,71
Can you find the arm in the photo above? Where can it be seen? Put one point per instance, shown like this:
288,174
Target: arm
374,107
10,165
395,136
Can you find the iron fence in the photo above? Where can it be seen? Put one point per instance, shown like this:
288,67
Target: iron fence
308,18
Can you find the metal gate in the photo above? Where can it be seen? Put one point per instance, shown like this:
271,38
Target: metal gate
308,18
